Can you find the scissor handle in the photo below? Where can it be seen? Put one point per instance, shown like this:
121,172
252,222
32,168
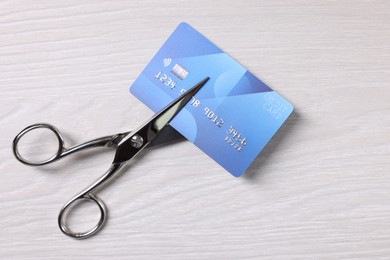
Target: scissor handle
88,194
62,151
68,206
57,155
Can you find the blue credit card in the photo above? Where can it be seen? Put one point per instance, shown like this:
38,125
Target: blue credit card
231,118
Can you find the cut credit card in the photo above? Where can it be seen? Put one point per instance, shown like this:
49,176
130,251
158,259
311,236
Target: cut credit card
232,117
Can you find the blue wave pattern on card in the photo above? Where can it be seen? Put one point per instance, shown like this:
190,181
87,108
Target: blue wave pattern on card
231,118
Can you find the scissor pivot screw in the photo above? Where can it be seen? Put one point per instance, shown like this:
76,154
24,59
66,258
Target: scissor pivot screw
137,141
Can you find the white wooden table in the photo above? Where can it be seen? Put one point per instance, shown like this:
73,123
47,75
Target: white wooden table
320,190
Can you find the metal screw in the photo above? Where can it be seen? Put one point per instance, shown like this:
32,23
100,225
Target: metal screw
137,141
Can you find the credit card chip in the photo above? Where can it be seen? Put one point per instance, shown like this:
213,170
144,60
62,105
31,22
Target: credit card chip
179,71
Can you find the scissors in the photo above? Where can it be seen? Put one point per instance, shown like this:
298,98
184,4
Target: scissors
127,145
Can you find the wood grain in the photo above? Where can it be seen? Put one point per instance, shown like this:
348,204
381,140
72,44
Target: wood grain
320,190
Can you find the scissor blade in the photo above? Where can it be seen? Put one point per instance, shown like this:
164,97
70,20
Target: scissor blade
134,142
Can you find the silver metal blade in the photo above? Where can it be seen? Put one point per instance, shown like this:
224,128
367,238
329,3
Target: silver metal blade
133,143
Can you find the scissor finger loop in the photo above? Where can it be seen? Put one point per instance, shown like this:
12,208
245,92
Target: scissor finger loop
60,150
64,212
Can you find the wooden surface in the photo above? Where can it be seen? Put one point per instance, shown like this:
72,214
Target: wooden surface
320,190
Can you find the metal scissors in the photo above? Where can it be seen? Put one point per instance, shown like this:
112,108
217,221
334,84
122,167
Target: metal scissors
127,145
